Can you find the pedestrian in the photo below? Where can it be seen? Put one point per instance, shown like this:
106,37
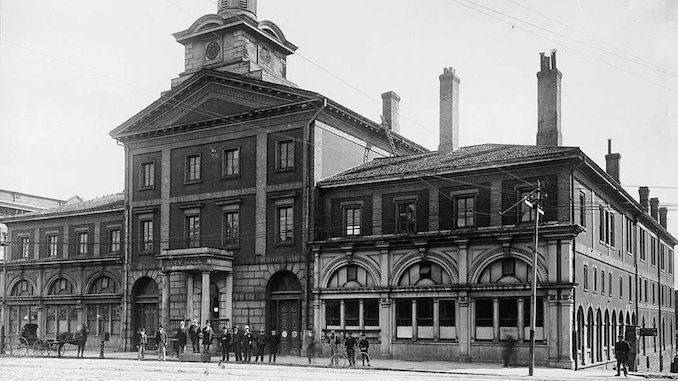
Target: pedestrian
310,345
182,337
333,341
350,349
194,335
237,343
507,350
364,347
142,340
273,342
161,339
621,352
225,343
207,336
247,341
262,340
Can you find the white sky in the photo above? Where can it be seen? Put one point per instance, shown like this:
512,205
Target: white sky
72,70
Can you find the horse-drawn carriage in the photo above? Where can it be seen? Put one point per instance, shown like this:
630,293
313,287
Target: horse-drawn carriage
30,343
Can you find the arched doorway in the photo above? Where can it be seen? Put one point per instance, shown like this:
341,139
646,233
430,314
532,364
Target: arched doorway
284,310
581,344
145,308
599,336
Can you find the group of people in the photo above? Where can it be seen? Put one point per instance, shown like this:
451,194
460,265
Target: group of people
160,338
350,343
244,343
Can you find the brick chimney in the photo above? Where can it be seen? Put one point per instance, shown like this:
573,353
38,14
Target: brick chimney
662,216
644,193
654,208
612,162
548,102
391,110
449,111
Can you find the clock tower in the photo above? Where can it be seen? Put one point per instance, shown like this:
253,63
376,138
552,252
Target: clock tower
234,40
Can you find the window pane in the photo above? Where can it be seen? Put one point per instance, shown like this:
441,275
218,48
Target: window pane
332,312
484,313
371,312
508,312
351,312
447,313
540,312
404,312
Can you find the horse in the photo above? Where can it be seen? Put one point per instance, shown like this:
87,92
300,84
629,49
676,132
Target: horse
78,338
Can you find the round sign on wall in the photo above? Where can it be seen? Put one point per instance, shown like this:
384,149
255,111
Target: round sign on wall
284,334
212,50
294,334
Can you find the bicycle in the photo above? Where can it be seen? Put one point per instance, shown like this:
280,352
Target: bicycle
341,358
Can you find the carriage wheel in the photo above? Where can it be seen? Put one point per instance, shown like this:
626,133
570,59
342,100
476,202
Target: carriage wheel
39,348
22,347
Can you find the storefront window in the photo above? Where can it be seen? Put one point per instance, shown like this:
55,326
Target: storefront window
425,318
332,313
371,312
351,313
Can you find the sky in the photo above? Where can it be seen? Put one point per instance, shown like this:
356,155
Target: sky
73,70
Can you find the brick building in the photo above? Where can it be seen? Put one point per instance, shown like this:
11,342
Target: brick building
219,181
64,268
416,251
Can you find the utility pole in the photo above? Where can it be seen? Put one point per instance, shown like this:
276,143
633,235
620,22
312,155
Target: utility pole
532,200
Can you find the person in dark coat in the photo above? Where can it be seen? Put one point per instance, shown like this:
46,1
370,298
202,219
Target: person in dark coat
182,338
273,343
247,341
194,335
225,342
310,345
207,336
507,350
350,349
237,343
364,347
262,340
621,352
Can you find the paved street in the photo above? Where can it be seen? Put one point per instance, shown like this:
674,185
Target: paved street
120,367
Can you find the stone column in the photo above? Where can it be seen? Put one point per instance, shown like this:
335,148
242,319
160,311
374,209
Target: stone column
463,261
165,185
261,180
342,312
464,329
521,319
436,320
316,268
229,297
165,303
555,329
189,297
317,322
386,326
552,260
205,298
361,315
415,333
495,319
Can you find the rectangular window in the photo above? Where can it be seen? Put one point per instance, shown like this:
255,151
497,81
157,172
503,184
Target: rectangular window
285,224
192,168
447,313
82,243
621,287
595,279
609,283
629,236
114,241
601,223
332,312
52,245
525,213
231,162
425,318
285,155
630,289
231,228
371,312
613,239
653,251
653,293
406,215
146,236
528,311
465,211
646,289
404,318
602,281
508,312
351,313
586,277
148,175
662,257
582,209
352,220
192,231
641,245
670,261
24,249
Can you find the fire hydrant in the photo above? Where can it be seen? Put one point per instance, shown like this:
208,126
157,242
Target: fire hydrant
101,352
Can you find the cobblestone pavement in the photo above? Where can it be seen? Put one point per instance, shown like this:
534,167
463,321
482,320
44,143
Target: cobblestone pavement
122,367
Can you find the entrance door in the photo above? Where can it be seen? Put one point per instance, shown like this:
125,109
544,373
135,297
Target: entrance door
289,326
146,313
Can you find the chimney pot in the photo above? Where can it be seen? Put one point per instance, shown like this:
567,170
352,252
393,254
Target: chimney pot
449,111
391,110
612,162
654,208
663,212
644,193
549,102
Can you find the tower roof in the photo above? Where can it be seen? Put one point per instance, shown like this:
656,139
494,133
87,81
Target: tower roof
230,8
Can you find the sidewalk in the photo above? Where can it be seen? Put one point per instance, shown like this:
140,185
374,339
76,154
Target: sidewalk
442,367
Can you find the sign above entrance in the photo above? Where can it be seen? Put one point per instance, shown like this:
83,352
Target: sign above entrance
648,332
197,259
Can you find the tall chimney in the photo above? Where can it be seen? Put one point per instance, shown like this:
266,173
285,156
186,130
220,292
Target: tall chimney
663,211
548,102
654,208
644,193
391,110
612,162
449,111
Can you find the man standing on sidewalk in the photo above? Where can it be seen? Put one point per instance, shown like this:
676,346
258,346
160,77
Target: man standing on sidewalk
273,342
350,349
161,338
621,352
225,343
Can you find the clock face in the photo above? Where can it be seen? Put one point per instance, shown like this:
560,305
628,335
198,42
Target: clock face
212,50
264,56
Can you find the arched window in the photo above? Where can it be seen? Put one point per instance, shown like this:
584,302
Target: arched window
424,273
22,288
61,286
507,270
103,285
351,276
